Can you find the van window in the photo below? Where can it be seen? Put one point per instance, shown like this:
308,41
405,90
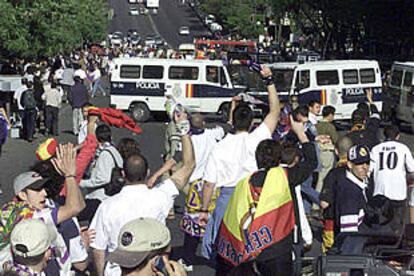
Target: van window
367,75
350,76
396,78
152,72
302,79
130,72
223,80
328,77
283,79
212,74
408,78
183,73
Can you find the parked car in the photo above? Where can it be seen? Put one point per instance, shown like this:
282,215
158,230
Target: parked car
132,32
143,10
132,1
153,40
159,41
134,39
133,11
184,30
215,27
117,39
209,19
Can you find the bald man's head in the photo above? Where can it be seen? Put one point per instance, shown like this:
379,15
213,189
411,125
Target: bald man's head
197,120
343,145
135,168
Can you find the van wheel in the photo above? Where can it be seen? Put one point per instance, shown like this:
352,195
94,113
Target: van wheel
224,112
140,112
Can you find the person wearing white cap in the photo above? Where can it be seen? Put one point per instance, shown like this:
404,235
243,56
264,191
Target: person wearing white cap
29,188
136,200
143,249
31,242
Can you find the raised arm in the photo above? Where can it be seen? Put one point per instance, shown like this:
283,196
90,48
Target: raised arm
166,167
181,176
272,117
65,163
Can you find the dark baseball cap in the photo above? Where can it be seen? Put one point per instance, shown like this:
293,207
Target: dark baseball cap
359,154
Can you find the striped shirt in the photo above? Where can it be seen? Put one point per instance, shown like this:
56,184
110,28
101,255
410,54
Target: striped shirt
351,202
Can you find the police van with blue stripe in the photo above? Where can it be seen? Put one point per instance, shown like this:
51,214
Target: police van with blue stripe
141,85
340,83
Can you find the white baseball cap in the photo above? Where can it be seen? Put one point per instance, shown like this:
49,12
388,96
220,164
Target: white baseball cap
31,237
31,180
139,239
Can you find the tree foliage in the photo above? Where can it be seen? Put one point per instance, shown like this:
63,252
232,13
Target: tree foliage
238,14
367,25
40,28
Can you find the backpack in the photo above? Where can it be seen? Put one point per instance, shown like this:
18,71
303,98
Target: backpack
117,181
28,100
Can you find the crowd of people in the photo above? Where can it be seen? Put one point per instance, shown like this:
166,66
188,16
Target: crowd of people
251,189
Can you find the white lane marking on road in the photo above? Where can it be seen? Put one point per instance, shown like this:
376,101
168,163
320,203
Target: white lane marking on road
155,29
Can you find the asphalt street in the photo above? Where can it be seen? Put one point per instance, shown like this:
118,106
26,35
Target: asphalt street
18,155
171,16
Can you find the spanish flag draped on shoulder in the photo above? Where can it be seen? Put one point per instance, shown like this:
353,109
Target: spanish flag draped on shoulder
251,226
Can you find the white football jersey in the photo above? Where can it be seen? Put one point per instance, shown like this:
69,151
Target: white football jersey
390,162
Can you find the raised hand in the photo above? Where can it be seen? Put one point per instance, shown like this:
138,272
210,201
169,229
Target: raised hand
87,236
265,72
369,95
65,160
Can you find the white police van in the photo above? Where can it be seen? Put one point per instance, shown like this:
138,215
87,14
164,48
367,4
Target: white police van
340,83
141,85
401,88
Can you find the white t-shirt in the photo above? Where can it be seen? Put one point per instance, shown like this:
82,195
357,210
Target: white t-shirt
58,74
96,74
234,157
77,248
313,118
18,95
80,73
133,202
49,216
390,162
203,144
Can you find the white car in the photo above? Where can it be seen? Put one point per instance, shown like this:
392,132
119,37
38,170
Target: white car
216,27
132,1
133,11
117,39
209,19
143,10
184,30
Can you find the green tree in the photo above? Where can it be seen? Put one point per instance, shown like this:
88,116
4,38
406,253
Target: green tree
238,14
41,28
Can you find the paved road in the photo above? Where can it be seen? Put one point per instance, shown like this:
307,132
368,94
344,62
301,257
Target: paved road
18,156
171,16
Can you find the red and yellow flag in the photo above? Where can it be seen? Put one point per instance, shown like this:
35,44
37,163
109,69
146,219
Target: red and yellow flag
248,228
189,90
